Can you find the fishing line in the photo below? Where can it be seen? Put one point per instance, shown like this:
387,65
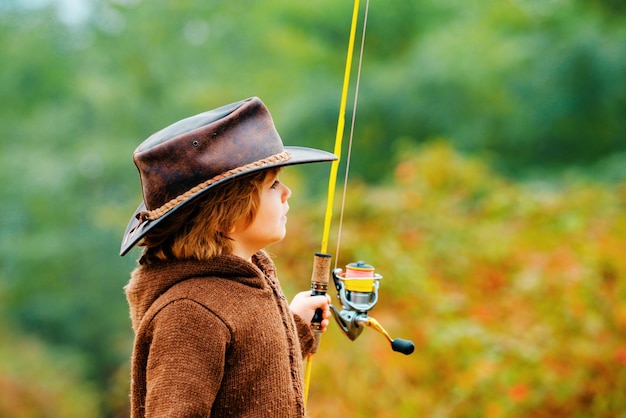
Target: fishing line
349,154
332,180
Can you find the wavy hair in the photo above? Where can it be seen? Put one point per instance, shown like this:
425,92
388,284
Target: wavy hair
198,230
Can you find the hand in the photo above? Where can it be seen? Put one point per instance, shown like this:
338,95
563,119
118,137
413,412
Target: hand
304,305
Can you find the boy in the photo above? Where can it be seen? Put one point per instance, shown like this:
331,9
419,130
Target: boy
214,334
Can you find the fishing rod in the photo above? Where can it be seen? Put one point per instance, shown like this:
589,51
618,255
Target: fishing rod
357,287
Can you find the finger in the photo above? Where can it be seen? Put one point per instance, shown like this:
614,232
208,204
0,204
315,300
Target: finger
319,301
327,313
325,324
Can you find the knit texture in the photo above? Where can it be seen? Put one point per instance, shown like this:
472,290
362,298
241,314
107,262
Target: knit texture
215,338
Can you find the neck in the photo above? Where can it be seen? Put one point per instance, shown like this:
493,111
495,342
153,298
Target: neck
242,252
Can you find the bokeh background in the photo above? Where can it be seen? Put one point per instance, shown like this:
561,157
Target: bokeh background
487,185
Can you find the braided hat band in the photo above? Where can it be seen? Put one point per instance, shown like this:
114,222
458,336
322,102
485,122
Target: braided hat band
272,160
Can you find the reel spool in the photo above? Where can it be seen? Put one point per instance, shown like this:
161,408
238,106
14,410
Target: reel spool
357,289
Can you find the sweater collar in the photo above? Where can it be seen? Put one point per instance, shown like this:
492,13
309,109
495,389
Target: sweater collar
148,282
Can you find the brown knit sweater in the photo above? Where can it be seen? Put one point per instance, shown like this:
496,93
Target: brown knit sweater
215,339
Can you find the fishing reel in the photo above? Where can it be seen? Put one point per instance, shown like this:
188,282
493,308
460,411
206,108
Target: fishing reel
357,288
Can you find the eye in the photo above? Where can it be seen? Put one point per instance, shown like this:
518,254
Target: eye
275,184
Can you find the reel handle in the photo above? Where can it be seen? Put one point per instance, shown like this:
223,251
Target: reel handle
398,345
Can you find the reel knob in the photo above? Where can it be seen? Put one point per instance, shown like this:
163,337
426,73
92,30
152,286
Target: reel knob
402,346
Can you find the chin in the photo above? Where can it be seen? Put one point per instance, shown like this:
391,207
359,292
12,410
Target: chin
281,236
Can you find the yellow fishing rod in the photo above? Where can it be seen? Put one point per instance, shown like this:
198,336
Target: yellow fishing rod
321,262
357,287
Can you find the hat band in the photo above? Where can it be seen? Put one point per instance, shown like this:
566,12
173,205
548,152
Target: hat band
158,212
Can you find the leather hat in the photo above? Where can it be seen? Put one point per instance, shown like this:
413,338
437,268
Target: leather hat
186,159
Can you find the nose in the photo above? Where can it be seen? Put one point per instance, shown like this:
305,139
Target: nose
286,193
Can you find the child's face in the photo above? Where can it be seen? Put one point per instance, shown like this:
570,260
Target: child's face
269,224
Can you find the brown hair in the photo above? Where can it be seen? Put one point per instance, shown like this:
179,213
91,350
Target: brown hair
199,230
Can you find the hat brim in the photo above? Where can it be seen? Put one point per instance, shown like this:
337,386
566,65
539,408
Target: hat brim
135,230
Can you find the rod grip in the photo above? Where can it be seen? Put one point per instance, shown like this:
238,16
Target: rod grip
319,286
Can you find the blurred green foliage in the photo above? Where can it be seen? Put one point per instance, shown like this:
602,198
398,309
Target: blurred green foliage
536,89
